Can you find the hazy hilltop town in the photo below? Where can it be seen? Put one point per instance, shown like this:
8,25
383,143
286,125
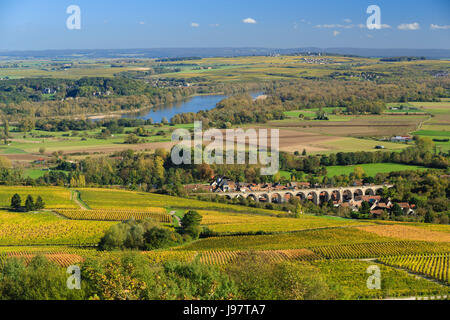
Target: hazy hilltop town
191,171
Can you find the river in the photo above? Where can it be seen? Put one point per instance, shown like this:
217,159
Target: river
194,104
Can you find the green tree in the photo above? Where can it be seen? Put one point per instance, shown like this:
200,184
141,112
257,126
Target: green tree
157,238
191,224
40,204
429,217
16,202
397,210
365,208
131,139
191,218
29,203
358,172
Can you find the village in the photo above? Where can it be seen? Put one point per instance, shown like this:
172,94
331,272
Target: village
357,197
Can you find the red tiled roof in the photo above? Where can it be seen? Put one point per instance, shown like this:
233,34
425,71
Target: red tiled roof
367,198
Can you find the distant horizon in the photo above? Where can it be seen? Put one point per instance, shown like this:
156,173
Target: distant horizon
205,52
222,47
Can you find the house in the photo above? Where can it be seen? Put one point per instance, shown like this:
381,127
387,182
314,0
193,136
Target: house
401,139
371,199
383,206
197,188
407,210
376,213
48,91
358,183
39,161
222,184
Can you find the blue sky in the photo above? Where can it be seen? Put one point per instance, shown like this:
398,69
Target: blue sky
41,24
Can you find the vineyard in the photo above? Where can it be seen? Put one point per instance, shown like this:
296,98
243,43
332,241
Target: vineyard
349,280
158,214
161,256
62,259
229,223
107,198
271,256
373,250
46,228
293,240
436,266
404,232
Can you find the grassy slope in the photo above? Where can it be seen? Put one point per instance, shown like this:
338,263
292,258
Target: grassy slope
371,169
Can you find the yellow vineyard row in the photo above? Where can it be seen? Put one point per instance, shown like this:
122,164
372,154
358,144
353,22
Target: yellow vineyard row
158,214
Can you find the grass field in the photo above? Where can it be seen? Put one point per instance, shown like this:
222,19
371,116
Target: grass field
371,169
437,127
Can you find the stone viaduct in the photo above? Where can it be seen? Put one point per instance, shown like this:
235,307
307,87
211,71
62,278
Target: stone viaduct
317,195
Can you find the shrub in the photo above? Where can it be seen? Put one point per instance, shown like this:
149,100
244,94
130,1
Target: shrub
40,280
126,235
193,231
158,238
259,280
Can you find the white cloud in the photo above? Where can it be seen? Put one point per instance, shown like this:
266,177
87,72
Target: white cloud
409,26
334,26
141,22
438,27
214,25
329,26
382,26
385,26
249,20
195,25
347,20
336,33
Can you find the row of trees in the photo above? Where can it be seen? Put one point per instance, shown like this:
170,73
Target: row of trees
30,204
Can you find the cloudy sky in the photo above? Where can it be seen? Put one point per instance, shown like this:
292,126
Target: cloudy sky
41,24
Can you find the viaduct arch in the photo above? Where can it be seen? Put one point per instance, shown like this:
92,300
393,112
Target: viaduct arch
317,195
